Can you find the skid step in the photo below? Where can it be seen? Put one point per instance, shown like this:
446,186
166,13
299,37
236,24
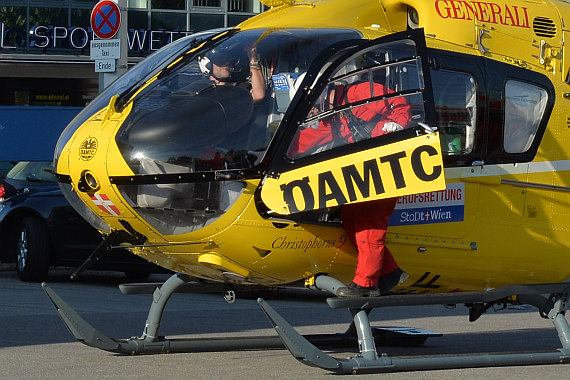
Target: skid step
445,298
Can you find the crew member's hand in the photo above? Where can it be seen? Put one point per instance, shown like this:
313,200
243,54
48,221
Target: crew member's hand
252,54
392,127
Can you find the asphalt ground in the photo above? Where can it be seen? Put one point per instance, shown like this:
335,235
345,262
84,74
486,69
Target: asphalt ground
35,344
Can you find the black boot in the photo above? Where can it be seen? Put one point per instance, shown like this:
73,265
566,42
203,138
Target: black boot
388,281
355,290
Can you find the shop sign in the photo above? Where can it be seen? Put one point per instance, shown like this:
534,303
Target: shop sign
76,39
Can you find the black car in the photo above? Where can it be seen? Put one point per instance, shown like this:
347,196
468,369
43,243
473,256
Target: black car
25,176
39,229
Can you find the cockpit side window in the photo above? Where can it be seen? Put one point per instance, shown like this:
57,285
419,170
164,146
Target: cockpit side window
373,94
455,103
525,104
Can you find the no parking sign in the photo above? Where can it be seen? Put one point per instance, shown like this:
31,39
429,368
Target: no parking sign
105,19
105,22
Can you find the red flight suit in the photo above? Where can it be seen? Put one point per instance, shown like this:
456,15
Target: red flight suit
366,223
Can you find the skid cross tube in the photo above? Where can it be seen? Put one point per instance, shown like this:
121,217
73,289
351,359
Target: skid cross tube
367,360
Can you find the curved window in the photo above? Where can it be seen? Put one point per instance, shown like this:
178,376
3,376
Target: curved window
215,109
525,104
136,75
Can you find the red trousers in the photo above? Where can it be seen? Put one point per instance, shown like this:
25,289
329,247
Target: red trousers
366,224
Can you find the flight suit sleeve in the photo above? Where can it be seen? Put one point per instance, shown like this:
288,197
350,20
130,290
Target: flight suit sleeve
389,110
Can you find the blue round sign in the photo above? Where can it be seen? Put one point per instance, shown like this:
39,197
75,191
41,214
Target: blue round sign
105,19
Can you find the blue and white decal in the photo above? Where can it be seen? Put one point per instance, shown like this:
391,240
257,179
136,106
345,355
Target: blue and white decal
280,82
442,206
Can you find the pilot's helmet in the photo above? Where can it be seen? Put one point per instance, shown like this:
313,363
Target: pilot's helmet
235,59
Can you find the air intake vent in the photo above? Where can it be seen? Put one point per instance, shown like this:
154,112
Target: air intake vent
544,27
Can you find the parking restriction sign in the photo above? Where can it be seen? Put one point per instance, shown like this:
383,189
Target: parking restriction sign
105,19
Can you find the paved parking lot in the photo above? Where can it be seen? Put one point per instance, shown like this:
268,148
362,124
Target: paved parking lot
35,344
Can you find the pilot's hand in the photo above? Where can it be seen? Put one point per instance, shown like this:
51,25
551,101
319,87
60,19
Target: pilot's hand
252,54
392,127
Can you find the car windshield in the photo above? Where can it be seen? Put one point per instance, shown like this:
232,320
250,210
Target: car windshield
32,171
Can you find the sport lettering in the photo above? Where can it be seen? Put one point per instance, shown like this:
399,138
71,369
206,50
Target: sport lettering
509,15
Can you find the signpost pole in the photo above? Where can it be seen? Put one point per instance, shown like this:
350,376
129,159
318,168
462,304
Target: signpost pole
105,79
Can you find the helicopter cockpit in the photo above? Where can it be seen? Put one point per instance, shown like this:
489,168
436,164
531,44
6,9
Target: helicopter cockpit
193,111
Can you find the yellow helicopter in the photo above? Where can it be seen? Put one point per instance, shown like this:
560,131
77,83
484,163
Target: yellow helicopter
203,178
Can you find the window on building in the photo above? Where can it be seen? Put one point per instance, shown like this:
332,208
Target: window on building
80,17
525,104
137,19
48,16
55,92
240,5
14,22
207,3
168,21
202,21
234,20
138,4
13,17
168,4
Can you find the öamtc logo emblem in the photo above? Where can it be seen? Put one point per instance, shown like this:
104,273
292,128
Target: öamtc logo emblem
88,148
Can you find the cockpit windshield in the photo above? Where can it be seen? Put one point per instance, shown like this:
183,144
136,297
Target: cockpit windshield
216,108
220,106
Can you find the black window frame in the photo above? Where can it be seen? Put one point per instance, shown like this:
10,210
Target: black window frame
330,60
475,67
498,75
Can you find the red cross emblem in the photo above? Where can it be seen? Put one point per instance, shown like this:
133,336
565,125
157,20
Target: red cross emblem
105,204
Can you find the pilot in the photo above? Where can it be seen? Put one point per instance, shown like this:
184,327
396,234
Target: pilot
237,67
366,223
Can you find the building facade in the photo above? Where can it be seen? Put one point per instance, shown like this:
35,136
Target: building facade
44,44
47,75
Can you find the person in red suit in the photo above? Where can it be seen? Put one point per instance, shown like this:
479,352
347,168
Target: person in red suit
366,223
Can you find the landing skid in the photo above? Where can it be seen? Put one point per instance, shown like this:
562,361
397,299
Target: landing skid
553,308
305,348
150,342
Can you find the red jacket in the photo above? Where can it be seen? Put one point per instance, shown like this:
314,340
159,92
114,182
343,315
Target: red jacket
319,137
393,109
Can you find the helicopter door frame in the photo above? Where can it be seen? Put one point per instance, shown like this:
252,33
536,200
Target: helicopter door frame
329,69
